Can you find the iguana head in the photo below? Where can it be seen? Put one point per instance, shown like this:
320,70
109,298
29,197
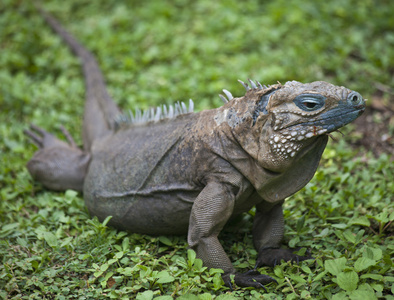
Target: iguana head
289,119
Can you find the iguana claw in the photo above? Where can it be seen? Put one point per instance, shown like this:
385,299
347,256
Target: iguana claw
251,278
44,139
271,256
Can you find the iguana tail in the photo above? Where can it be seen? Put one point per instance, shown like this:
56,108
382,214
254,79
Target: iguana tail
100,109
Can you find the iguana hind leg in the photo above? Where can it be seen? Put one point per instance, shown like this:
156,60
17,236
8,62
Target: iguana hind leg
57,165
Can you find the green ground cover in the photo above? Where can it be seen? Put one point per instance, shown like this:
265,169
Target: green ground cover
161,52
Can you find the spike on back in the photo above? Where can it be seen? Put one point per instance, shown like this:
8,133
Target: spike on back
253,85
154,114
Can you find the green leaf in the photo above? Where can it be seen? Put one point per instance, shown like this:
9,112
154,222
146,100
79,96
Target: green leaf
98,274
297,278
319,276
339,225
347,280
376,277
305,295
335,266
51,239
107,219
373,253
377,287
126,271
126,244
306,269
108,275
213,271
359,236
323,233
7,229
363,293
104,267
96,266
188,297
363,221
112,261
279,272
165,240
147,295
191,257
165,297
389,278
66,241
294,241
205,296
70,194
340,296
226,297
300,223
119,255
363,263
349,235
217,281
382,217
164,277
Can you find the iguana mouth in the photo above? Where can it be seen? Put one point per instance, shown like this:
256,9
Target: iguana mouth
333,122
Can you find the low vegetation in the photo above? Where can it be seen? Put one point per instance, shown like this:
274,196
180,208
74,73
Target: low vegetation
164,51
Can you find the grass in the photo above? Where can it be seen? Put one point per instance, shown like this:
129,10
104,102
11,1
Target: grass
161,52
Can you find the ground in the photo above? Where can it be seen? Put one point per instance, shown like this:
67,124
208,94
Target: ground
375,128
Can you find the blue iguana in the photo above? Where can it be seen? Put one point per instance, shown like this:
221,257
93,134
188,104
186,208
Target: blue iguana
173,171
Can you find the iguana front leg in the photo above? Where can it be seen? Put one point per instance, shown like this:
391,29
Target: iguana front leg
268,231
57,165
211,211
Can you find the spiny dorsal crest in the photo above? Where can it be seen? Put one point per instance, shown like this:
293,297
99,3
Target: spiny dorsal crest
154,114
164,112
254,85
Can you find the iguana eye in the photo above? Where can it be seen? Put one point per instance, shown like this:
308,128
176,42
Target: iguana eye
355,99
310,102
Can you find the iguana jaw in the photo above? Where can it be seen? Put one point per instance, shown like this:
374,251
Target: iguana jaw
284,150
323,125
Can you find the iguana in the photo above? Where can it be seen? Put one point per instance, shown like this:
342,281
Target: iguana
175,171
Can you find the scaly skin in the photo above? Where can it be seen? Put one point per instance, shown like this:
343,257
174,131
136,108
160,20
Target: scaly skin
194,172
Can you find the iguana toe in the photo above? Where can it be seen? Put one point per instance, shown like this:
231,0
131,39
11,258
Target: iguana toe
251,278
271,256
